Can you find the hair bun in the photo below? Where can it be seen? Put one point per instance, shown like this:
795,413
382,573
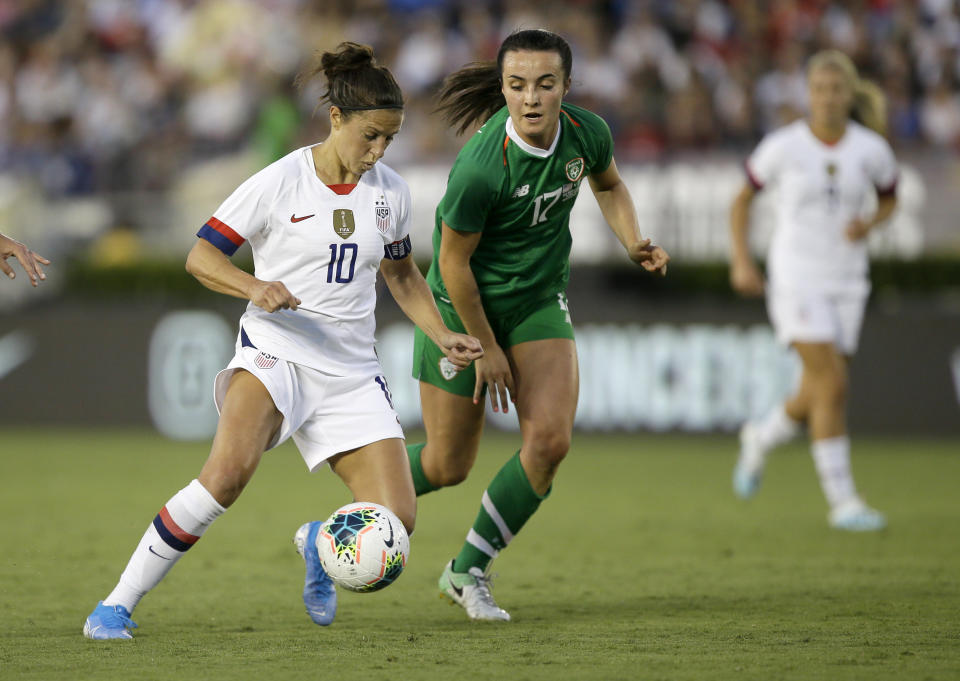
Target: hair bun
349,56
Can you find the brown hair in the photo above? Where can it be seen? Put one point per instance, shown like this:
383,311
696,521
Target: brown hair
355,82
474,93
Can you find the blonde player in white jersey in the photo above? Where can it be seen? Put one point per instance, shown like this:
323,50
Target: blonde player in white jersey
826,169
322,222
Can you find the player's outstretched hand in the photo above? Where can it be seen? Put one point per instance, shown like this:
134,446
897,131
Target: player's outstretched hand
28,259
273,296
857,229
493,371
746,279
651,258
460,349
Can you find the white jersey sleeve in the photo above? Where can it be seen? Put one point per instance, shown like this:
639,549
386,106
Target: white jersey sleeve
882,168
764,164
244,213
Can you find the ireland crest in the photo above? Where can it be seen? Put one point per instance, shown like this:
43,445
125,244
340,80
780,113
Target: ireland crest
574,169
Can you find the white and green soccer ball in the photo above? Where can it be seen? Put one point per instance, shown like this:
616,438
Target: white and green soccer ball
363,546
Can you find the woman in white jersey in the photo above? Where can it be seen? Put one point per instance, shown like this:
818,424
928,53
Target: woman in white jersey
322,222
826,170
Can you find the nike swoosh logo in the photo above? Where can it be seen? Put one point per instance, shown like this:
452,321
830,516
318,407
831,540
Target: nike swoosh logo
294,218
456,589
150,548
389,542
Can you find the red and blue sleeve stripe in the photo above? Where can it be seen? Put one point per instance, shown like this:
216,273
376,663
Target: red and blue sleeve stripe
221,236
172,534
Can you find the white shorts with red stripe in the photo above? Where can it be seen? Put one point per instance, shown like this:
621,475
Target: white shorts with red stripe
324,414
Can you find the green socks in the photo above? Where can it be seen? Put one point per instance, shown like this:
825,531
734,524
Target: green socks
507,504
420,482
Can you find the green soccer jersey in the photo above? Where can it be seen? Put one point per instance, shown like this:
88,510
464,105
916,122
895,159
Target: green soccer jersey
520,197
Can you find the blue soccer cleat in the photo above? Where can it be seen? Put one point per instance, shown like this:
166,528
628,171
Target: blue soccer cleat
108,622
319,594
855,516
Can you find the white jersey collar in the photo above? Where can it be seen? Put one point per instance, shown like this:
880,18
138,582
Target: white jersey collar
530,149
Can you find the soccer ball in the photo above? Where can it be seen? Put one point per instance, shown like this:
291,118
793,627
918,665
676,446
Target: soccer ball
363,546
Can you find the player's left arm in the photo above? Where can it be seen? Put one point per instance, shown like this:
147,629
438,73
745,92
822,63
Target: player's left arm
414,297
618,210
859,228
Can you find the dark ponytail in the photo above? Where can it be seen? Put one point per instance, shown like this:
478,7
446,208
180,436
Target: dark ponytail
474,93
355,82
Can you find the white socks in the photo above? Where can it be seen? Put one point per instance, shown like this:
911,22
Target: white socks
776,428
176,528
832,460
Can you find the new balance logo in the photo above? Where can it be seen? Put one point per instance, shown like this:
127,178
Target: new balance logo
521,191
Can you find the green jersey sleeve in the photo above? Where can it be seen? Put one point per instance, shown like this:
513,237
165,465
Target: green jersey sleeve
471,193
595,135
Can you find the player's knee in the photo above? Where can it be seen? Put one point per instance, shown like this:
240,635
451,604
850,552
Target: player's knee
451,474
549,445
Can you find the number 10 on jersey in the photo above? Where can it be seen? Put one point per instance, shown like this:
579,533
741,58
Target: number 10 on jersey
335,269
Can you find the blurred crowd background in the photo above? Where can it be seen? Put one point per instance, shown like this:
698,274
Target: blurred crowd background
125,123
112,95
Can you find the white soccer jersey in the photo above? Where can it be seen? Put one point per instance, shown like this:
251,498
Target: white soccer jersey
821,188
326,248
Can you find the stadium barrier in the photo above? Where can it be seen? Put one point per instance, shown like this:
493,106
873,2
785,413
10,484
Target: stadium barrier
685,364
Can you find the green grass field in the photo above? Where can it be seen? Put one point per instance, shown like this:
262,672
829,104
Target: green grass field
641,565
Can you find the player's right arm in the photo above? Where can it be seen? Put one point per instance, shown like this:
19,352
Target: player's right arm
745,276
213,269
493,369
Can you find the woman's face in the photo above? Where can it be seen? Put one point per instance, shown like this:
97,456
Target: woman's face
362,138
534,84
830,97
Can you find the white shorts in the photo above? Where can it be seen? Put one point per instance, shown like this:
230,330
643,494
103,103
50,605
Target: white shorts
324,414
817,317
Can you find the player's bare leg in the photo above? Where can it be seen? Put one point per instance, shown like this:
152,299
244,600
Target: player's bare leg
454,425
759,437
380,472
547,382
548,385
826,370
248,422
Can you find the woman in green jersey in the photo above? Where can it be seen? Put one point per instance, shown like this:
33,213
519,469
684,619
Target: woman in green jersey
501,250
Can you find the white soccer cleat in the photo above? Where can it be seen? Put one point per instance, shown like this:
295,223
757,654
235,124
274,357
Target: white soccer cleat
472,591
748,473
855,516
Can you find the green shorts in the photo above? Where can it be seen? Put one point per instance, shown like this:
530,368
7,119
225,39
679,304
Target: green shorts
549,319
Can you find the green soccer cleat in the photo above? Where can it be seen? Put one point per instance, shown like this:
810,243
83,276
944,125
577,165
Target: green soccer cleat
472,591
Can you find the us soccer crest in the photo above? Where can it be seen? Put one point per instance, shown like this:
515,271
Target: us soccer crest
574,169
382,211
343,223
